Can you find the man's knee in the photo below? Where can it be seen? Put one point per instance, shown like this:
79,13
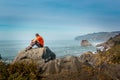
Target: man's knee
32,43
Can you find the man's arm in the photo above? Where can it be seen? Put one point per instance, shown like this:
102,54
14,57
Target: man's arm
34,40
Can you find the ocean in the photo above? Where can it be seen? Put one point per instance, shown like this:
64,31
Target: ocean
9,49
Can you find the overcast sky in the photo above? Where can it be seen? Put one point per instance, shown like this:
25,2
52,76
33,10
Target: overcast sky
57,19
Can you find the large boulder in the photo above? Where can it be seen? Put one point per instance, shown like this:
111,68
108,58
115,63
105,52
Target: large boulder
85,43
36,54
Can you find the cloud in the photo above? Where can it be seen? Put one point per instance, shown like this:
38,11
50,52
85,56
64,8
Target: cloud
58,17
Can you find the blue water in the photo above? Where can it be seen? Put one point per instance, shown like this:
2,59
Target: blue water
10,49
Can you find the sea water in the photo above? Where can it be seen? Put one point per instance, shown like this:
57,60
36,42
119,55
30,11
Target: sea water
10,49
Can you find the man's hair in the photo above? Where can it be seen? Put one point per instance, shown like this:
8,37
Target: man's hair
36,34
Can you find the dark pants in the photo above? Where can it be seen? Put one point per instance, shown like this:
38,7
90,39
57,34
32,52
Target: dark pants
32,44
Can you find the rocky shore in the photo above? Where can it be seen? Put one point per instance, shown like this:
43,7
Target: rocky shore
104,65
66,68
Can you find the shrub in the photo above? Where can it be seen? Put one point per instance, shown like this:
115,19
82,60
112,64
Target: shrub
3,71
114,54
19,71
23,71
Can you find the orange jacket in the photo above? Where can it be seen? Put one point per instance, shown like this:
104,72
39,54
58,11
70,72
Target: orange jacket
40,40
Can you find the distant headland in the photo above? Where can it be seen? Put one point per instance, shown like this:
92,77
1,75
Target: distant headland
100,36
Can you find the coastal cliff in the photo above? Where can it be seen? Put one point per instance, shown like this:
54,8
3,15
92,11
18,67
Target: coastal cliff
100,36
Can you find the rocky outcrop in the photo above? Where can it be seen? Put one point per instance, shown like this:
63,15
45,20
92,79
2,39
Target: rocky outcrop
90,58
103,65
66,64
86,57
37,54
66,68
46,62
72,67
102,62
85,43
110,42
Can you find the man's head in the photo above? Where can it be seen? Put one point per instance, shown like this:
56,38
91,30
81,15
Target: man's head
36,34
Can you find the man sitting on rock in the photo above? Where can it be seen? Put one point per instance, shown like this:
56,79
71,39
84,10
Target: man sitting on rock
38,41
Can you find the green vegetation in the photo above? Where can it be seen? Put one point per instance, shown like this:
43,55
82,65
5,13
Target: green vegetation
19,71
111,56
114,54
3,71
